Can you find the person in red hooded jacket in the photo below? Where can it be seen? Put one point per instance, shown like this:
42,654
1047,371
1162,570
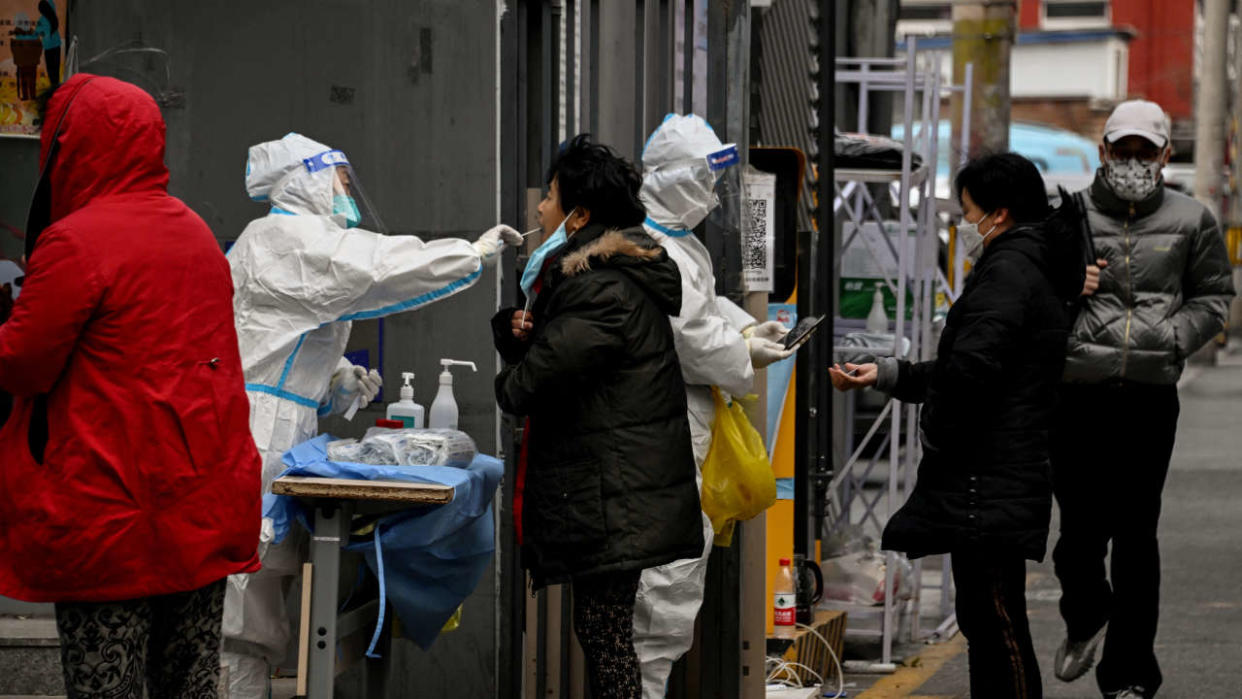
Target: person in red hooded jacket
129,483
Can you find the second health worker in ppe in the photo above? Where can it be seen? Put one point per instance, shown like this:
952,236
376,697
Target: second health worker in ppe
718,344
301,274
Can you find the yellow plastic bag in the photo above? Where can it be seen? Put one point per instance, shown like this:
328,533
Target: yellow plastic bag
737,475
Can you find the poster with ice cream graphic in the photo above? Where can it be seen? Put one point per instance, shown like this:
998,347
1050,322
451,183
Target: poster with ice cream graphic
31,56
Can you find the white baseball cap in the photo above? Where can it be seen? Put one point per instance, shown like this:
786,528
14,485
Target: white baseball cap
1138,118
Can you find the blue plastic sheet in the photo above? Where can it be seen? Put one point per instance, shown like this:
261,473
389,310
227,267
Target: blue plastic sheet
433,557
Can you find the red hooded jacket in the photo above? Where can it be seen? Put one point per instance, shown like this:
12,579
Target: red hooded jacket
126,466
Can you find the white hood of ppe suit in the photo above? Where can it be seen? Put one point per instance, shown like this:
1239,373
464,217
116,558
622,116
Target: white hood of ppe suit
299,279
678,182
678,194
276,173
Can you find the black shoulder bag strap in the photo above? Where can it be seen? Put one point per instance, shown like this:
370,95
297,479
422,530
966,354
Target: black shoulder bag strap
1088,238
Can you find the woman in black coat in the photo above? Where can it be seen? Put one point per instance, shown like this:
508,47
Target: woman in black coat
984,491
606,485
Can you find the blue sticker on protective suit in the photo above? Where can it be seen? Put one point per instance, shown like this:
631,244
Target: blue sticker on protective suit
722,159
325,160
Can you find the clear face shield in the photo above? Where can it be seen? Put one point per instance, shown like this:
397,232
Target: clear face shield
332,171
730,193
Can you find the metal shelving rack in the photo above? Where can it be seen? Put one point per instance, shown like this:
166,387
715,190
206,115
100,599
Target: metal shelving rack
918,79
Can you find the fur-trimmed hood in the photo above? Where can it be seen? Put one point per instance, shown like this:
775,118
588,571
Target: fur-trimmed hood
630,251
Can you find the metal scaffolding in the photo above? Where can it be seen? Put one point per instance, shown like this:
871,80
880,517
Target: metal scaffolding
913,275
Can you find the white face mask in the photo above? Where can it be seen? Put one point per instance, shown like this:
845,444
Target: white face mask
1132,179
970,238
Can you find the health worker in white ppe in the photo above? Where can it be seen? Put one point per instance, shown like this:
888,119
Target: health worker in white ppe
301,274
718,344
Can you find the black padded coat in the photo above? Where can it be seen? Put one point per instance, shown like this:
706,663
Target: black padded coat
988,399
610,478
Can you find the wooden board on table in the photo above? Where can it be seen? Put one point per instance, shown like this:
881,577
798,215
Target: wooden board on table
348,489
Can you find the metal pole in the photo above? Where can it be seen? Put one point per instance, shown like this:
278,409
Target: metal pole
820,286
594,90
1210,110
899,323
667,68
1235,160
331,532
826,266
640,77
687,58
967,105
571,69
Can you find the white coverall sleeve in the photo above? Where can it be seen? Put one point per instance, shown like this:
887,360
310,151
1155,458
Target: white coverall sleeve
737,317
353,274
711,350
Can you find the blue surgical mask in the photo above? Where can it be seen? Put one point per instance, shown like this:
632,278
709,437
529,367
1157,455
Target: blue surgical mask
548,248
344,205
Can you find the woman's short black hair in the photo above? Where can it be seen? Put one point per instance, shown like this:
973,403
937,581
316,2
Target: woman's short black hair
1005,181
45,9
594,177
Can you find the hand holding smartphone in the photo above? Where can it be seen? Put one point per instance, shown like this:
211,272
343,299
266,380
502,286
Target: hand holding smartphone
802,332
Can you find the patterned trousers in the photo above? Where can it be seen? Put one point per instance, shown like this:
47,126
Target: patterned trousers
156,647
604,622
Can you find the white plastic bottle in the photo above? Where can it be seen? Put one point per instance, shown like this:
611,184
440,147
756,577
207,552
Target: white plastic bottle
406,410
785,601
877,319
444,407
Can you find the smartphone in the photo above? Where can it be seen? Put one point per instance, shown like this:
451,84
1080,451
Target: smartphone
802,332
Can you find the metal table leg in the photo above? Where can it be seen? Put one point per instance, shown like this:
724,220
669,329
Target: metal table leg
331,532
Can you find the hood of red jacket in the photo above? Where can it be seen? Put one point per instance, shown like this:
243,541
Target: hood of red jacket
109,138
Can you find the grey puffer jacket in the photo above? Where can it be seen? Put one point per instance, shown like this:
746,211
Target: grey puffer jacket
1164,294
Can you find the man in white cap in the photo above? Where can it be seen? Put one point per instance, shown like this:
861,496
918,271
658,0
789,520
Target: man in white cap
301,274
1160,290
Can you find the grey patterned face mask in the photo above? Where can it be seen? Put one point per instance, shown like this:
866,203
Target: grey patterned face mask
1133,179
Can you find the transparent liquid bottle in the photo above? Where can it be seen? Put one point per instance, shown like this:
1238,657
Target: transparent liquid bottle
877,319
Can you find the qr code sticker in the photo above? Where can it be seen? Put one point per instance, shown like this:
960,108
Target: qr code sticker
755,249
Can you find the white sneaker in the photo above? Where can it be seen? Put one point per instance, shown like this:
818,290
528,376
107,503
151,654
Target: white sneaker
1129,693
1075,658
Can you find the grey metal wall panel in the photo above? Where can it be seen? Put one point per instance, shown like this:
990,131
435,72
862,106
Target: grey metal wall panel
408,89
617,88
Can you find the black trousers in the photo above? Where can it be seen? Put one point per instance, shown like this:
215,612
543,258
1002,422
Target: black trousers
51,57
168,645
1111,450
991,612
604,622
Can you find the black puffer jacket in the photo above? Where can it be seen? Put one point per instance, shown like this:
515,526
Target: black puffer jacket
988,399
610,478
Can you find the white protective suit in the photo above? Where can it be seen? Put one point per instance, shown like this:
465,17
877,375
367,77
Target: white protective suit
299,277
678,193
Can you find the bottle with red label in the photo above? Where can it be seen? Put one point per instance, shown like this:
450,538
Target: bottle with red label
785,601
